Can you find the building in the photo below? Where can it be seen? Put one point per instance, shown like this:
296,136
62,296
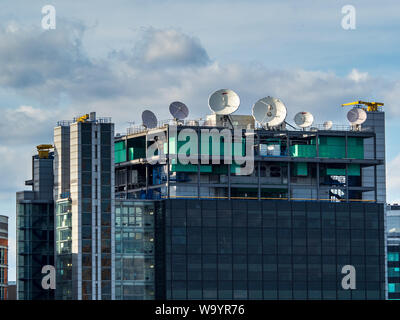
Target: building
12,290
3,257
84,208
393,251
35,228
214,209
313,204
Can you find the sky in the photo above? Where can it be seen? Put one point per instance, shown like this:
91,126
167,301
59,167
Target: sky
121,57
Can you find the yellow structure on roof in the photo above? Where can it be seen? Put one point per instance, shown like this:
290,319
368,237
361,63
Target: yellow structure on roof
370,106
43,150
83,118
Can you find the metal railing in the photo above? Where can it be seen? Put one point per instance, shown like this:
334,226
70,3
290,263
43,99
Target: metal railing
209,123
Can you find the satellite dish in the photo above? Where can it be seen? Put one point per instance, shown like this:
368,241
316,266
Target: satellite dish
178,110
303,119
328,125
269,112
357,116
224,102
149,120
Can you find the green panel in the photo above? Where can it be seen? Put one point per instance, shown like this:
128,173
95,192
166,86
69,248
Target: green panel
300,169
119,152
303,151
119,146
353,170
237,148
190,168
332,151
335,172
120,156
355,148
137,153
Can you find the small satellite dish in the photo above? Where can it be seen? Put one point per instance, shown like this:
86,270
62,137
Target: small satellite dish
357,116
269,112
224,102
328,125
178,110
303,119
149,120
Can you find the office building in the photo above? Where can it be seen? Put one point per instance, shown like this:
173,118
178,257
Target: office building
393,251
84,208
35,228
313,204
3,257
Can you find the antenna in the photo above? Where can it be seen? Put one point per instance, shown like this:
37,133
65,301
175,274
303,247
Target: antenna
269,112
179,110
304,119
328,125
357,116
224,102
149,120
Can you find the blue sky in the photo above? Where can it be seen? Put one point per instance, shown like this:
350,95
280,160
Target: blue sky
120,57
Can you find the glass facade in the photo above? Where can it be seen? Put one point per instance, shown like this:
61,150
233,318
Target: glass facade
394,272
245,249
3,257
35,248
393,251
135,249
64,250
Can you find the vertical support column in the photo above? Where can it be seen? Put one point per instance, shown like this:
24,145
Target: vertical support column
375,173
168,189
346,146
347,183
317,144
289,166
318,182
147,178
198,162
229,181
259,179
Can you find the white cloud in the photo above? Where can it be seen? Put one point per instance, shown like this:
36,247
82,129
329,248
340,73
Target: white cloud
170,47
358,76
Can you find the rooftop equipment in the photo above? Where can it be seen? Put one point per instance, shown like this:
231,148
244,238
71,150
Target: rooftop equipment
83,118
178,110
149,119
304,119
224,102
43,150
328,125
269,112
370,106
356,117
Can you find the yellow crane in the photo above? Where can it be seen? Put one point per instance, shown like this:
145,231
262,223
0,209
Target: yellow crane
83,118
371,106
43,150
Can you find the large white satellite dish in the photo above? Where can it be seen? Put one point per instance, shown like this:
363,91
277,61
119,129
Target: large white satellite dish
224,102
269,112
357,116
149,120
304,119
328,125
178,110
